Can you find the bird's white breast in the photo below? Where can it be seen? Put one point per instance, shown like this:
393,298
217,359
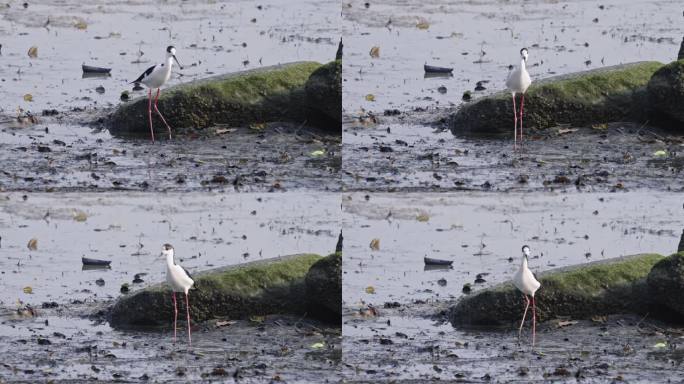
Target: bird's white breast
525,281
518,80
178,279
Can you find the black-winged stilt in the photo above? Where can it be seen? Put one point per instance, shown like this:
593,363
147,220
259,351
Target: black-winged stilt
525,281
154,77
518,81
180,280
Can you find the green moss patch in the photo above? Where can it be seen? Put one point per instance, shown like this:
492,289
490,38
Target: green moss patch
602,95
257,288
268,94
604,287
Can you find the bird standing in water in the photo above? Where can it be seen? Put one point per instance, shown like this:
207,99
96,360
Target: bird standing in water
180,280
526,283
518,81
154,77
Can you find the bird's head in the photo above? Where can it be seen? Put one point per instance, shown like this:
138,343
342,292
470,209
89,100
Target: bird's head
171,52
526,251
167,250
523,54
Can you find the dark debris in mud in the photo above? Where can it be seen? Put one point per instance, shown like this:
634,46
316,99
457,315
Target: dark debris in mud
54,156
274,348
411,343
404,153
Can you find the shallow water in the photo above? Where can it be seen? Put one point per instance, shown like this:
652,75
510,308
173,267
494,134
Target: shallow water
412,340
480,231
210,37
481,39
207,230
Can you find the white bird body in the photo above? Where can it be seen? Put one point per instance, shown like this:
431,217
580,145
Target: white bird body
519,79
157,75
524,280
180,281
176,276
160,74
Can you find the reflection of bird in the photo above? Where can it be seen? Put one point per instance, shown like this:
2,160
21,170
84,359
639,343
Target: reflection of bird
525,281
180,280
518,81
154,77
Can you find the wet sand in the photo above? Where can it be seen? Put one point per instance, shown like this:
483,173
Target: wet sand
208,230
479,232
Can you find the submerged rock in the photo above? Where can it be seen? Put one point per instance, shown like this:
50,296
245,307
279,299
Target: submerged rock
666,93
268,94
610,286
258,288
666,282
324,287
616,93
324,96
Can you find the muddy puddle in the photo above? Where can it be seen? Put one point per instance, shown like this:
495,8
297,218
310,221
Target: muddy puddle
208,230
406,152
479,232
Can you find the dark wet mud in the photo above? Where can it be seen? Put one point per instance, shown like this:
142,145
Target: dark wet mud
403,345
398,156
59,156
50,295
58,346
394,319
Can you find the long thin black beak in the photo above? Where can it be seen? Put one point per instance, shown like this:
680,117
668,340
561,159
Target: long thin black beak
179,64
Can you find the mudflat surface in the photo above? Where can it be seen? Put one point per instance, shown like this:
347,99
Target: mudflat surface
407,151
279,157
394,323
401,156
59,152
207,230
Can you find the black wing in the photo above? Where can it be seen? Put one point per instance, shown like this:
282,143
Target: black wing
144,75
188,273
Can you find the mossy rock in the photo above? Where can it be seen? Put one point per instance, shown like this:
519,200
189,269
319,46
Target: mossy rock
324,287
261,95
666,282
324,96
252,289
609,94
680,247
666,94
604,287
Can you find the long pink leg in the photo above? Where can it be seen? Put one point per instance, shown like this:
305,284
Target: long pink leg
515,125
175,317
534,321
149,113
523,319
159,113
522,104
187,307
